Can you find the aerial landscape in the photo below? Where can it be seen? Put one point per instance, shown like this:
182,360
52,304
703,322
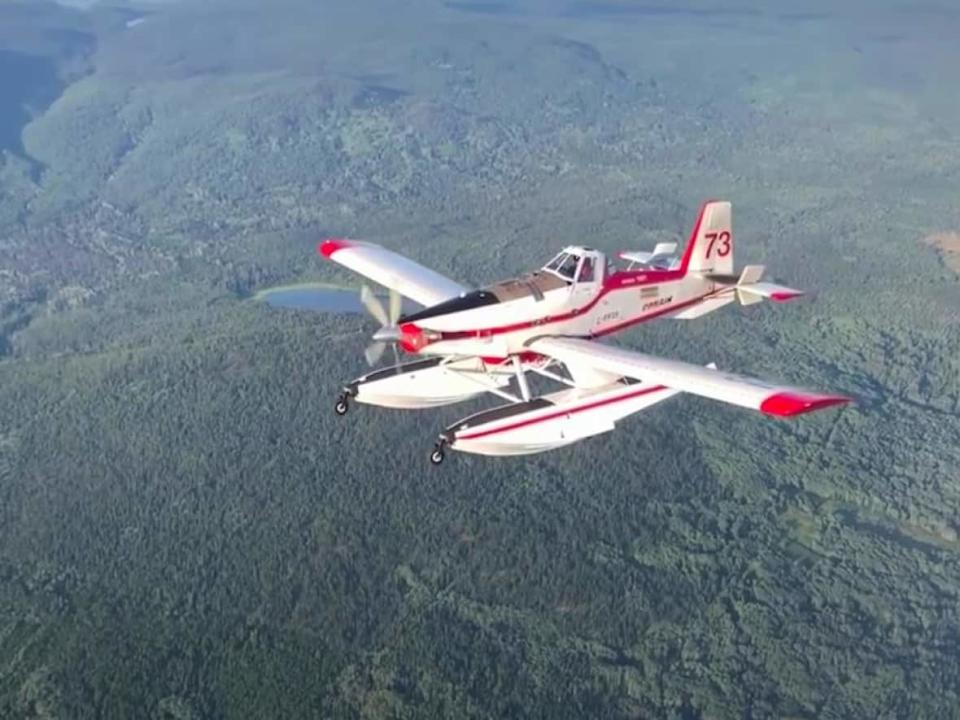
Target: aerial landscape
188,530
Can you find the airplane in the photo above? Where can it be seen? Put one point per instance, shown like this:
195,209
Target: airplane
469,342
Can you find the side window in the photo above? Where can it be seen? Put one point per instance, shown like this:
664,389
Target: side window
587,271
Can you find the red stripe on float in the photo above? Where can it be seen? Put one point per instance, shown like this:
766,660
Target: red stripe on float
561,413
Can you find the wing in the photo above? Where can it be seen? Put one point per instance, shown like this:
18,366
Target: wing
391,270
739,390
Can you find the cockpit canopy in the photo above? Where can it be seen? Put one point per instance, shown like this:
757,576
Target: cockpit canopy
575,265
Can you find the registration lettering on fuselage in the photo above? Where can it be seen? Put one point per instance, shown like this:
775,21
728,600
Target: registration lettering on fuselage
656,303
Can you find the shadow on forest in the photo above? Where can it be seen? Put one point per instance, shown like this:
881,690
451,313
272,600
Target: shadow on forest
28,84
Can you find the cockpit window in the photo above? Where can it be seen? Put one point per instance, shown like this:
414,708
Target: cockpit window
586,273
555,264
569,266
565,266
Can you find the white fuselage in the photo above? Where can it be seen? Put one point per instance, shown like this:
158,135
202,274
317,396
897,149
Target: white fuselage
580,310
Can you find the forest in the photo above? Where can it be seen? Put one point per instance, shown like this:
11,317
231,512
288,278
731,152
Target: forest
188,531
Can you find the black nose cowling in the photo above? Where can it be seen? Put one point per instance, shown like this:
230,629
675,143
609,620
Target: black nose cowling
467,301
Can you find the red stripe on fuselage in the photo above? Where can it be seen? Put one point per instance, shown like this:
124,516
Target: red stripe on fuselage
487,332
561,413
651,316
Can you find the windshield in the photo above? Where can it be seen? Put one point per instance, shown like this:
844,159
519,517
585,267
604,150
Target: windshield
564,265
569,266
555,264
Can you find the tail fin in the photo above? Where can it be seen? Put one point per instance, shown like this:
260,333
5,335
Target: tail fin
709,250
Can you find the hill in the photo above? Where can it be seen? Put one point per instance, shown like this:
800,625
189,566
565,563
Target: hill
186,529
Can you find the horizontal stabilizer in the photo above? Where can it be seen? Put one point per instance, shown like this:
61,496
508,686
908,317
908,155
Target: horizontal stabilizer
755,292
635,256
661,252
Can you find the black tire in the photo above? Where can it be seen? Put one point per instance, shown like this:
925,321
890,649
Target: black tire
436,457
341,407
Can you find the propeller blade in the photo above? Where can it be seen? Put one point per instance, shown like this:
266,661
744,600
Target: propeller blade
374,352
389,333
373,305
396,306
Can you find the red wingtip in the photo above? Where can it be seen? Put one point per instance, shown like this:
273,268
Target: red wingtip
785,296
788,404
329,246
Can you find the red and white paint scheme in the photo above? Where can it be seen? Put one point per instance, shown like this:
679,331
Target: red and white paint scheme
470,342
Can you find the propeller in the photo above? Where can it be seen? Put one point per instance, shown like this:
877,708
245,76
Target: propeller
389,333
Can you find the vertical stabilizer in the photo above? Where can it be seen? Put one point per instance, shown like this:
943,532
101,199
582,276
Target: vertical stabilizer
709,250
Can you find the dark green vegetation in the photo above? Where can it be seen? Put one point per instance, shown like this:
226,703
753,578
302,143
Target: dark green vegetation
187,531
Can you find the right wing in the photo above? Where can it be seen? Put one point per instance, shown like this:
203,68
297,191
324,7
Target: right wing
410,279
741,390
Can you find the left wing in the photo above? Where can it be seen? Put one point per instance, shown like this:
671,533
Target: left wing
410,279
747,392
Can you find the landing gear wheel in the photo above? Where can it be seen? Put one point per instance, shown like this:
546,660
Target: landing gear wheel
342,405
436,457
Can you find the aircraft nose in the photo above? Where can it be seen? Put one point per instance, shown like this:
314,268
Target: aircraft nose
391,333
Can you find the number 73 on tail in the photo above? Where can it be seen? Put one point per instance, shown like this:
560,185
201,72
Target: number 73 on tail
550,322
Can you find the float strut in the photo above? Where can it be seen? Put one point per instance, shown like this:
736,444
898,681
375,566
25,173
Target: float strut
521,379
